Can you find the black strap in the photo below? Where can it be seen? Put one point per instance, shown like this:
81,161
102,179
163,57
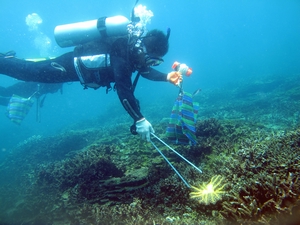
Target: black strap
136,79
109,88
133,19
101,26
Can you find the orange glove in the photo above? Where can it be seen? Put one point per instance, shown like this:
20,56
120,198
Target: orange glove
174,77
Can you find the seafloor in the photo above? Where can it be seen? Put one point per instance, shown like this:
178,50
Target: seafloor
248,134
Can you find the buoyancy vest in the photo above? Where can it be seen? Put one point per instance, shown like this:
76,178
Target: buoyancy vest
92,63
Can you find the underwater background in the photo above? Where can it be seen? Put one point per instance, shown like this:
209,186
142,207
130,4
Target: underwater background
81,165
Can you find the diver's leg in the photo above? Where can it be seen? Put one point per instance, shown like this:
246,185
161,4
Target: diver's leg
58,70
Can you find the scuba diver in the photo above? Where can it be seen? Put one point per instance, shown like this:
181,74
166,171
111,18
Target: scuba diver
18,98
113,50
27,90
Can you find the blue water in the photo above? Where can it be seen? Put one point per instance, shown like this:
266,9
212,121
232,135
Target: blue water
223,41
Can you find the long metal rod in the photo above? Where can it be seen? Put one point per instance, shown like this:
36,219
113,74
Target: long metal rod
176,152
181,177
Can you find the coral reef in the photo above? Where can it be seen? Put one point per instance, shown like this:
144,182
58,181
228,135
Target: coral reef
269,191
208,128
272,200
106,176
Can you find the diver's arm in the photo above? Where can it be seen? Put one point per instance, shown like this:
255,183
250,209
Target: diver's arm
173,77
122,75
24,89
155,75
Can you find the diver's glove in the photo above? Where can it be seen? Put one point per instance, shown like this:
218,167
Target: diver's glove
144,128
174,77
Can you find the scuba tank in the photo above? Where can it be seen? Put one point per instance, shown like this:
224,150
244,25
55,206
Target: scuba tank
73,34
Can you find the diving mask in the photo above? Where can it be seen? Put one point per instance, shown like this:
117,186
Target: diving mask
151,60
147,59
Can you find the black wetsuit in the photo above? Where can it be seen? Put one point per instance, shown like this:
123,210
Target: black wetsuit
123,64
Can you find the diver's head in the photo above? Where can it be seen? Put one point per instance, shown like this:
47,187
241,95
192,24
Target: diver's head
153,47
156,43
